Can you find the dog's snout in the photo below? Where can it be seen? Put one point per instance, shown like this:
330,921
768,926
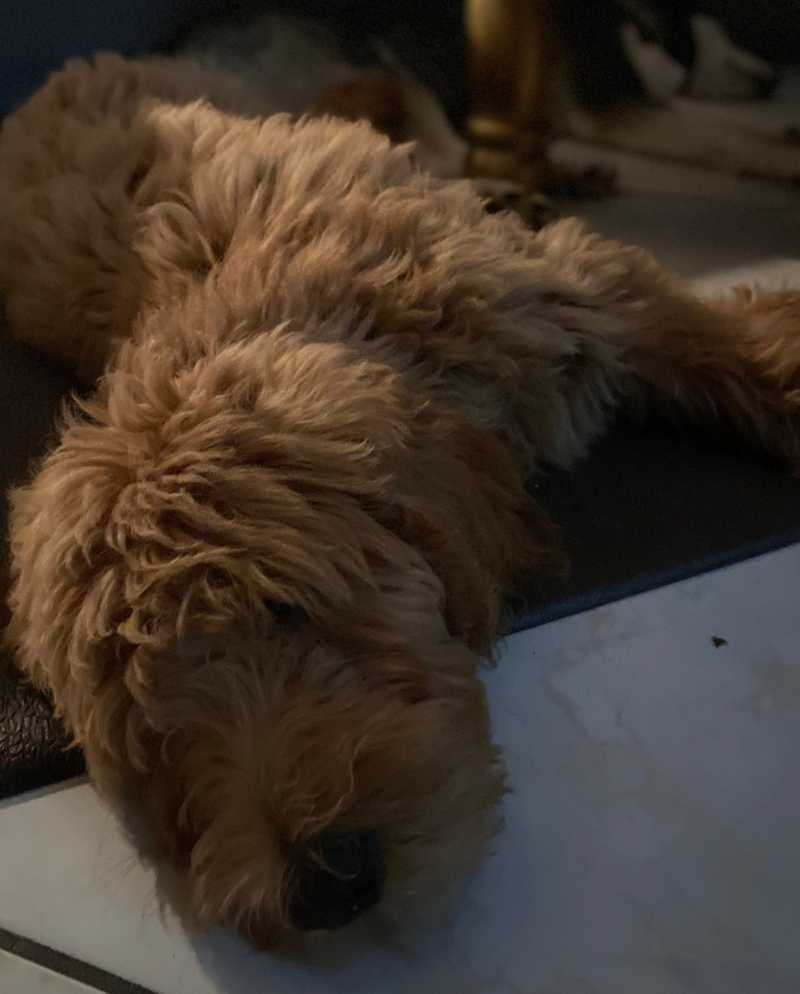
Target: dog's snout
341,877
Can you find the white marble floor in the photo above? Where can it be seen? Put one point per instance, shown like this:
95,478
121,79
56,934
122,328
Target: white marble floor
19,976
651,839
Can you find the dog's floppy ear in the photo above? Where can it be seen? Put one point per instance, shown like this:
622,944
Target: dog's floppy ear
200,485
492,536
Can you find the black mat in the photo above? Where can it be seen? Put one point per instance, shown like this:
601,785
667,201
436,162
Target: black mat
32,742
652,504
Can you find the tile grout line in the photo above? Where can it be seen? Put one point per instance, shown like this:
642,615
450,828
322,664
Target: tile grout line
67,966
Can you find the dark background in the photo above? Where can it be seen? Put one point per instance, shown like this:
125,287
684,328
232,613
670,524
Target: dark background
37,35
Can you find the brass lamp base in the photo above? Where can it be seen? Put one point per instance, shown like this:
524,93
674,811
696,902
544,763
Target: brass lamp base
508,73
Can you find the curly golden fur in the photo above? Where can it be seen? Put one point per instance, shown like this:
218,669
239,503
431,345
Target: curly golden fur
260,568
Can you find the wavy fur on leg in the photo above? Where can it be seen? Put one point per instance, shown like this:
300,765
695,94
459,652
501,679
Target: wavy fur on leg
259,569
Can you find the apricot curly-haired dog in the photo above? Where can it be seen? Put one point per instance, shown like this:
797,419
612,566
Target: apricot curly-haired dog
260,569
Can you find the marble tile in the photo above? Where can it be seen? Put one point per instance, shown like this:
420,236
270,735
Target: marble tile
638,173
18,976
650,844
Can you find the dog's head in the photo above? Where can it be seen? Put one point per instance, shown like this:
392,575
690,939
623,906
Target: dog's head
240,618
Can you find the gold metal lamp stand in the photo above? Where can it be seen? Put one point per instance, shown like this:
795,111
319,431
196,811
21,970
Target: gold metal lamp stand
510,54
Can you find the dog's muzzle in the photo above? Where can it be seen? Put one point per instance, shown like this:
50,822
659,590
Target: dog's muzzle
344,879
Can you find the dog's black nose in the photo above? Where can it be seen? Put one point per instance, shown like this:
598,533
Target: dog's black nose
341,877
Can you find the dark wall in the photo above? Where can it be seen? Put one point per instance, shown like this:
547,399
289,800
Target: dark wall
771,28
36,36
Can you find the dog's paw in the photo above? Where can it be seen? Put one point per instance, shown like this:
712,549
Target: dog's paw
722,70
535,209
660,75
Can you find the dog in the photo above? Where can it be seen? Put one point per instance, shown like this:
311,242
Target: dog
653,78
330,66
262,565
666,80
633,49
303,64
